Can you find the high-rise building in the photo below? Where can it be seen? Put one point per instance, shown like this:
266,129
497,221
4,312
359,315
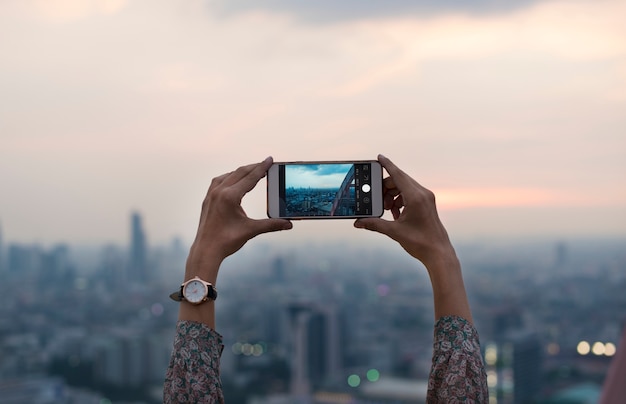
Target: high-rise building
24,259
513,359
527,367
1,251
317,346
138,268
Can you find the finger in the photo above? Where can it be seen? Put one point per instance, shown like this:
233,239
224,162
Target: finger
382,226
400,179
260,226
388,184
388,200
252,174
219,180
375,224
239,173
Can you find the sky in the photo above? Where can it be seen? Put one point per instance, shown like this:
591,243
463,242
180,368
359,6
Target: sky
512,115
315,176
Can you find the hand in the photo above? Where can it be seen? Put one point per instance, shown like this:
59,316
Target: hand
416,225
224,226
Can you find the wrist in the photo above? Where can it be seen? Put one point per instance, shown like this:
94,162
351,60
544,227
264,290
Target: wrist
444,269
204,264
440,256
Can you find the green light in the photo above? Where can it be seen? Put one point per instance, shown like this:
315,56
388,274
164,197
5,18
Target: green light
373,375
354,380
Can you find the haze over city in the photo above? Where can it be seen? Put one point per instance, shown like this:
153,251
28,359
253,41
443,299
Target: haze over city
513,115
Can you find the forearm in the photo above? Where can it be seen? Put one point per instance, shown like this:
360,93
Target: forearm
450,297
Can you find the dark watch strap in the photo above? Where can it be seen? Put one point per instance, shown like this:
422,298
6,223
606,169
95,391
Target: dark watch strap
178,295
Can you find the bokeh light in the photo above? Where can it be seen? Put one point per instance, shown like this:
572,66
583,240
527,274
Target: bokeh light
382,290
553,348
157,309
373,375
492,378
609,349
598,348
491,354
354,380
583,348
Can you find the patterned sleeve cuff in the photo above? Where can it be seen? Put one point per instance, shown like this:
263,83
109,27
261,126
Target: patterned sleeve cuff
205,336
455,332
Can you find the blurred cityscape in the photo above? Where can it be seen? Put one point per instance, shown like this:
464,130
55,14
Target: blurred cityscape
316,323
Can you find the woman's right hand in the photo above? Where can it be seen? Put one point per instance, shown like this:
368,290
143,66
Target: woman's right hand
416,225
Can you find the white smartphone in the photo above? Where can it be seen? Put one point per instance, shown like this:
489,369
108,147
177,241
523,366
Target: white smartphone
325,190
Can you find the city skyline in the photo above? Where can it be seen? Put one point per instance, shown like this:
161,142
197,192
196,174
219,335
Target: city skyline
531,296
512,115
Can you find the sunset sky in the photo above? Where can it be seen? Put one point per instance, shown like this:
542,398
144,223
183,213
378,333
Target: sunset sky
514,115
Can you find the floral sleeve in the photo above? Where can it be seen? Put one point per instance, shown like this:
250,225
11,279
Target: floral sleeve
458,373
193,374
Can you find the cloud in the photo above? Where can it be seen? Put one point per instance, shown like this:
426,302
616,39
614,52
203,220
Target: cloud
573,32
332,11
322,169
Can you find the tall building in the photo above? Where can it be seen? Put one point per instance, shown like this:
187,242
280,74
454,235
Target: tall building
1,251
317,346
527,367
138,268
514,360
23,259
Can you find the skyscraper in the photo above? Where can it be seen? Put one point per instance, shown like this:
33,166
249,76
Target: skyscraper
1,251
138,268
317,349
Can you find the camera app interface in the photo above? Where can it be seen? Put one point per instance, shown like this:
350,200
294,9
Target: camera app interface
325,190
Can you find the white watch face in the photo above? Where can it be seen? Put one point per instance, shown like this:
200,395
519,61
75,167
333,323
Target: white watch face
195,291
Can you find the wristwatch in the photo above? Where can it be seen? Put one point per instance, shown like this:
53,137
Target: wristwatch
195,291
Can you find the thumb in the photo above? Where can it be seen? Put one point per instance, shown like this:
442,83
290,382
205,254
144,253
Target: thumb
374,224
270,225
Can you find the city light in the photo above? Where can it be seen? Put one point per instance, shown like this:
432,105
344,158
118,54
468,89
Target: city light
492,378
553,348
354,380
583,348
491,354
257,350
248,349
236,348
383,290
373,375
598,349
609,349
157,309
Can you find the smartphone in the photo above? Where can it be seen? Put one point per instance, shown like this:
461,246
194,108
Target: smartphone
325,190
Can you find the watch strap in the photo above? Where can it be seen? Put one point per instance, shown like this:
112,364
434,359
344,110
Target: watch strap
178,295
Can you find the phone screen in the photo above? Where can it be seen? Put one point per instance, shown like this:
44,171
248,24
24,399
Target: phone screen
325,189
